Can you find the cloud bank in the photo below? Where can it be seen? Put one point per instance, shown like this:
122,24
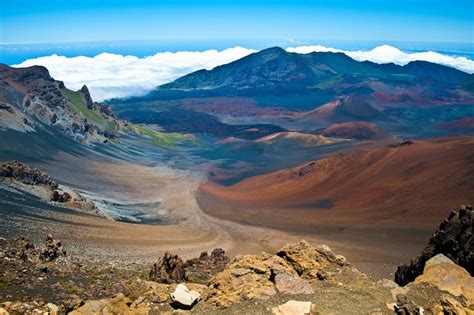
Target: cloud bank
387,54
112,75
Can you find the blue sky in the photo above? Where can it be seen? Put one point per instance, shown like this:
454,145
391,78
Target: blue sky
62,21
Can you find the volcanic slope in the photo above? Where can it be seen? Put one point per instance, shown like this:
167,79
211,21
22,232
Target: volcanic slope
408,183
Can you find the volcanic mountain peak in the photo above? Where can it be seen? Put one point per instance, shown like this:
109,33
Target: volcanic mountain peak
344,109
265,68
277,67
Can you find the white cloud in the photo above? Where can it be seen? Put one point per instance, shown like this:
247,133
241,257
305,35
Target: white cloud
386,54
111,75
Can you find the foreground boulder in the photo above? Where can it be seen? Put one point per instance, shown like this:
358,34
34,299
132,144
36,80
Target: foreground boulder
454,239
245,278
441,272
168,269
261,276
307,261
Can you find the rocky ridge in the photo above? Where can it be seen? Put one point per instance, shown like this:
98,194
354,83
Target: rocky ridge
30,99
38,183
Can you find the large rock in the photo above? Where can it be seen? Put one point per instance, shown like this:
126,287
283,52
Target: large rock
168,269
308,260
182,297
254,276
454,239
293,308
441,272
245,278
289,283
450,305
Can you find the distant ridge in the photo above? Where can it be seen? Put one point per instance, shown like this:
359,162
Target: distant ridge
275,67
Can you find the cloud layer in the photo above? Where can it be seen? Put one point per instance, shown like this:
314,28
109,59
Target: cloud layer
386,54
111,75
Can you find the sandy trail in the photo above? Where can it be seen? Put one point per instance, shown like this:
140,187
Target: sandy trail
167,190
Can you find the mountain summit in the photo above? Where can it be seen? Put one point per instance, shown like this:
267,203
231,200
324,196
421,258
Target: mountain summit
276,68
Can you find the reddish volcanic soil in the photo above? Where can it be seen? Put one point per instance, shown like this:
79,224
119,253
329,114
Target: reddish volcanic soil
379,206
355,130
422,181
411,185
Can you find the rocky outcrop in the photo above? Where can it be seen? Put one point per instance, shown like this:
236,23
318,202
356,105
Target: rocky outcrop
172,269
168,269
308,261
86,96
37,182
264,275
30,100
246,278
26,174
200,270
454,239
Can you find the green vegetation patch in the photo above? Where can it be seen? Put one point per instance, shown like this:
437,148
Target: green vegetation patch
163,139
78,106
330,82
